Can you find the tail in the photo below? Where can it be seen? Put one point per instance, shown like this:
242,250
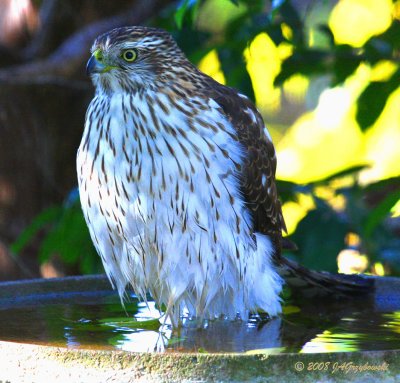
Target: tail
310,283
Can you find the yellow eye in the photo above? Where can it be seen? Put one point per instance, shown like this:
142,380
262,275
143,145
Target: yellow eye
129,55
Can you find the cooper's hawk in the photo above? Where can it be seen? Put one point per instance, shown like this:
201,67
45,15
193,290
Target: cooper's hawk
177,182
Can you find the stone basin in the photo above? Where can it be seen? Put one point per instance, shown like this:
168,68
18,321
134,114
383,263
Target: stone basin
57,330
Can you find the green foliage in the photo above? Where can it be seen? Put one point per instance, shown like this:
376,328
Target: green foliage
67,236
380,212
340,61
320,235
182,12
335,60
372,101
325,232
46,217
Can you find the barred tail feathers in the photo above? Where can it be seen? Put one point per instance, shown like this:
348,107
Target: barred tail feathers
311,283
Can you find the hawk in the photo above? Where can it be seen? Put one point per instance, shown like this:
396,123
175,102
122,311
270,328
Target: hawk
176,176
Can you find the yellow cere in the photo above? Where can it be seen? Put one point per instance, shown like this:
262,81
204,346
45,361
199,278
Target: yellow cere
98,55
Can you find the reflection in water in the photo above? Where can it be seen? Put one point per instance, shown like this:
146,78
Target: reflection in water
393,321
363,331
142,341
101,323
330,342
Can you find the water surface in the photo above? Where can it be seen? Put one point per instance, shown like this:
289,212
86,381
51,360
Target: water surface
98,321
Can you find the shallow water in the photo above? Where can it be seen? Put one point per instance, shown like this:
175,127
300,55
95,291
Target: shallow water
100,322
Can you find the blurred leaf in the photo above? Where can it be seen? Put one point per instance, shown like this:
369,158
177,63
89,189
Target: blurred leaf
236,75
41,221
288,191
306,62
286,294
339,62
180,13
324,29
384,46
239,33
391,35
70,239
376,216
320,236
393,182
373,99
346,61
390,253
290,16
183,11
340,174
67,236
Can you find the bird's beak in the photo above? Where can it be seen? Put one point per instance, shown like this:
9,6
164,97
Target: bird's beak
93,66
98,63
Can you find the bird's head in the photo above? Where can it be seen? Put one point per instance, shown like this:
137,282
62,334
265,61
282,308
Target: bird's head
131,58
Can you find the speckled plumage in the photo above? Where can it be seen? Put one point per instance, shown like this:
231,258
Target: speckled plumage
177,182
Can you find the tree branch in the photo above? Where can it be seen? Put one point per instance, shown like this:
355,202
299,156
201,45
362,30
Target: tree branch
69,58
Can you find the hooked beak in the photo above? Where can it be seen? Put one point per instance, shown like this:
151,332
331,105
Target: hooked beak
98,63
94,66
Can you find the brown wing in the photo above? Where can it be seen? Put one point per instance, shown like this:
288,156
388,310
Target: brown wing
258,172
259,191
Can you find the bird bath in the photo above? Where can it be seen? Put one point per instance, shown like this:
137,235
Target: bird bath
75,328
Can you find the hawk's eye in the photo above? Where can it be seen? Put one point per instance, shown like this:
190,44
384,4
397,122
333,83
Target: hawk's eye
129,55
